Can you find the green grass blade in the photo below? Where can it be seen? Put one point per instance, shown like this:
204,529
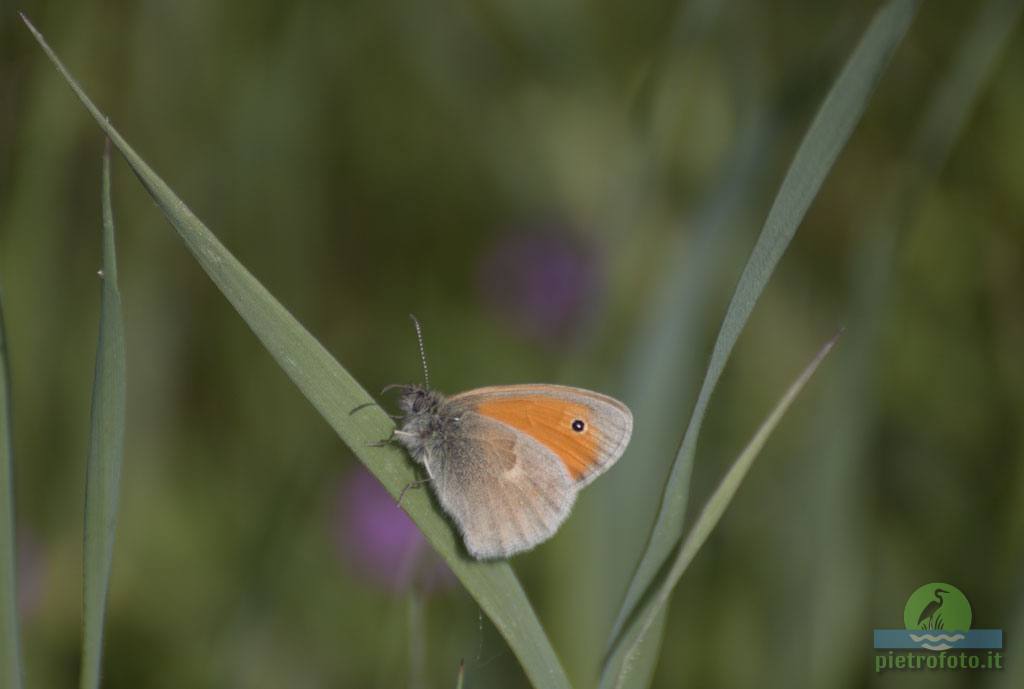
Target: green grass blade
653,602
106,452
954,99
828,133
462,675
661,371
1012,674
10,655
337,396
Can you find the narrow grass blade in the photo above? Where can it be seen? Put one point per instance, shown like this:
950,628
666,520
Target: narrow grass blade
653,602
347,407
828,133
661,371
416,621
462,675
954,99
106,451
10,655
1011,676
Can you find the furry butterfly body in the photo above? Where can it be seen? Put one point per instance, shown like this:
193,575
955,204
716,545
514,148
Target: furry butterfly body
506,462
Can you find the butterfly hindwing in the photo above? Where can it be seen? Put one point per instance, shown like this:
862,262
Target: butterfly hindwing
504,490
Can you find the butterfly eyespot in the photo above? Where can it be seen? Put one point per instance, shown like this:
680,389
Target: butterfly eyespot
578,425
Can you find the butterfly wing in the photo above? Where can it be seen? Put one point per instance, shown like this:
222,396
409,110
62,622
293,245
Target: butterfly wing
505,491
586,431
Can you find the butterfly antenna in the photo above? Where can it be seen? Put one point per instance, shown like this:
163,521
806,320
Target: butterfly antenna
423,352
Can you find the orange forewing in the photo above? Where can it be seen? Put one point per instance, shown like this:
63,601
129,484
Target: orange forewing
549,421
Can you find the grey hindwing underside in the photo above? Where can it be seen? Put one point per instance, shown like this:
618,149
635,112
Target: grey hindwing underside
504,490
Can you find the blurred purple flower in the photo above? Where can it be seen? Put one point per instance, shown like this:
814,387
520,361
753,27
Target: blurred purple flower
379,539
542,280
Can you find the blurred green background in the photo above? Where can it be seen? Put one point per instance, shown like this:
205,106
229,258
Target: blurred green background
561,192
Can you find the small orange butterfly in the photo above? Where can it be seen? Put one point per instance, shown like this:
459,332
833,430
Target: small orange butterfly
507,461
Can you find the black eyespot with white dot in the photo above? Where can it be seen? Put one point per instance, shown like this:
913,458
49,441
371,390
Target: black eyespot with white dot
578,425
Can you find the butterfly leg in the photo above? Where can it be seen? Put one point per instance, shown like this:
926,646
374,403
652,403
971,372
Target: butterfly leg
396,417
361,407
395,437
412,484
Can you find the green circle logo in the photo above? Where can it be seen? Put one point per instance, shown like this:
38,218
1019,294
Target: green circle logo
937,606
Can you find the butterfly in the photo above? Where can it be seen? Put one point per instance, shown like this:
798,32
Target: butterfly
506,462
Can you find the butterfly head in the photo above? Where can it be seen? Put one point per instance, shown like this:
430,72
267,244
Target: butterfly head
419,404
417,400
423,423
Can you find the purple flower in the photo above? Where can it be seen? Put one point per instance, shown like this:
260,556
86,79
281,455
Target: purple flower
541,280
379,540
